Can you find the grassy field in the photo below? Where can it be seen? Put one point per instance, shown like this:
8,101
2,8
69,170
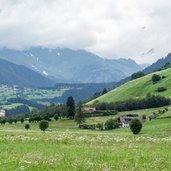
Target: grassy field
138,88
65,147
7,92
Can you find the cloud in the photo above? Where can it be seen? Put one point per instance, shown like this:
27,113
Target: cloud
109,28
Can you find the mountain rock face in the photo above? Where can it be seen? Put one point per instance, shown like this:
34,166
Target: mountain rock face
70,66
20,75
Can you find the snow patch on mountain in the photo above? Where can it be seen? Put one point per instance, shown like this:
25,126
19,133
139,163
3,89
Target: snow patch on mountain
31,54
34,68
45,73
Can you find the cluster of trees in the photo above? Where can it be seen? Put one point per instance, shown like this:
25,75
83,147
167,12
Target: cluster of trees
150,101
137,75
19,118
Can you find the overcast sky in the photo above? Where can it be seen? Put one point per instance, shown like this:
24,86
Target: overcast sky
137,29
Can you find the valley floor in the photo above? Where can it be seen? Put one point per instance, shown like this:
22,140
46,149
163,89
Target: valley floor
65,147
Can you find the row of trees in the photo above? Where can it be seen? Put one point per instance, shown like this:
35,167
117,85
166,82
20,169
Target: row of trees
150,101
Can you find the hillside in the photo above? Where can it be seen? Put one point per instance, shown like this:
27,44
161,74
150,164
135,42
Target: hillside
138,88
158,64
71,66
12,74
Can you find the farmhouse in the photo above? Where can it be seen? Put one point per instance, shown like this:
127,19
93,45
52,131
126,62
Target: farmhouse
2,112
124,120
88,109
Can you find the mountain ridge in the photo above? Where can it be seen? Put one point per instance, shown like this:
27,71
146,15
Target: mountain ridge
65,65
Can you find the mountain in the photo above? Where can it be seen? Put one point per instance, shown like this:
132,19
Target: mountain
158,64
70,66
12,74
139,88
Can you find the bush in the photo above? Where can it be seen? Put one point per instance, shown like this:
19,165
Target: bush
83,126
27,126
99,126
44,125
155,78
152,116
161,89
111,124
22,120
143,117
56,117
135,126
86,126
10,120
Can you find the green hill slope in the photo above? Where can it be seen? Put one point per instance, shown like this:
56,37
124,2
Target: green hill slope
138,88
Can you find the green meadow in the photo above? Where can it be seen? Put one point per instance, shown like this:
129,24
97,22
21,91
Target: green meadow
65,147
138,88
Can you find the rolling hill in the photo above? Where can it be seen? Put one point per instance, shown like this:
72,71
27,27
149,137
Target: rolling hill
138,88
65,65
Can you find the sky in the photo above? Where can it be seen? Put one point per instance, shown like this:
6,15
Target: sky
136,29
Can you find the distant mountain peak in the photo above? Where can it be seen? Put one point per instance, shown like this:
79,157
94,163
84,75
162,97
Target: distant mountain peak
75,66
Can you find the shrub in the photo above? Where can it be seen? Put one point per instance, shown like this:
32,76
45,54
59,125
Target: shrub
99,126
15,121
44,125
56,117
155,78
111,124
22,120
10,120
83,126
135,126
161,89
152,117
86,126
27,126
143,117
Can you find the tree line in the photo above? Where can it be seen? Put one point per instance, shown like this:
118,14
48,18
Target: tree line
69,110
150,101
